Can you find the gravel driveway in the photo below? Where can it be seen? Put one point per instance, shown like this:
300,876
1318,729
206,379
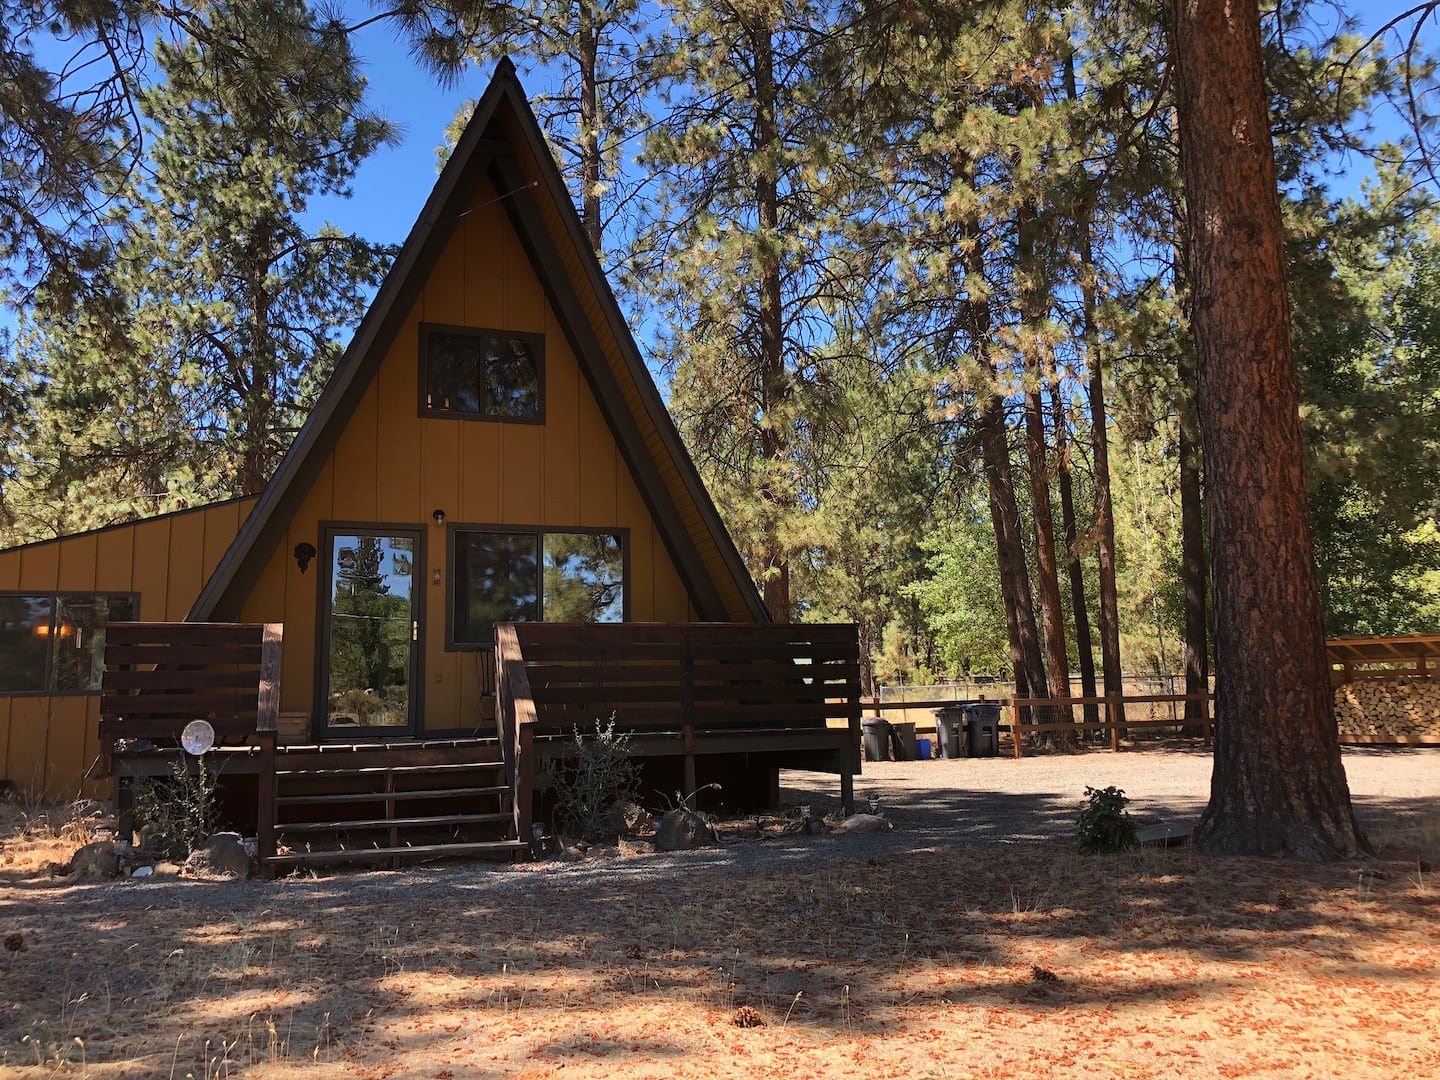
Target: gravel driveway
969,801
1001,800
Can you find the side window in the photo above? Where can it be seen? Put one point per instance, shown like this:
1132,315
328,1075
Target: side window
55,644
481,374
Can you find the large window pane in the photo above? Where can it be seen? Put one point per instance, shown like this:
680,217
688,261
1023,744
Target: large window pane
496,578
452,373
77,647
25,625
371,629
512,378
584,578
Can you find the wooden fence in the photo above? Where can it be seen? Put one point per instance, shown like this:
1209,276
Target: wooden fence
1114,713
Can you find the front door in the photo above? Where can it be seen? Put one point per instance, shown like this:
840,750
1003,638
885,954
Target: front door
370,631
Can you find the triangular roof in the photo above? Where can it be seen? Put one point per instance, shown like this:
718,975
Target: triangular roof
503,142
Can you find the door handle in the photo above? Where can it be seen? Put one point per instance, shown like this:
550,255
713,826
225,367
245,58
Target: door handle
414,630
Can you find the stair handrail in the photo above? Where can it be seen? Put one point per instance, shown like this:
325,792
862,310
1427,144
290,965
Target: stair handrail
515,719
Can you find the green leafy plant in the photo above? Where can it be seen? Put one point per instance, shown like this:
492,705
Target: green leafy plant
178,812
596,787
1104,825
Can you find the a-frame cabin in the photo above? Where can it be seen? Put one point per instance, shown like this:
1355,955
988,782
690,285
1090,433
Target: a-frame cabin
490,450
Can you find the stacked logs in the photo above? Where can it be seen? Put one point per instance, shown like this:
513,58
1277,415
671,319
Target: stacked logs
1396,707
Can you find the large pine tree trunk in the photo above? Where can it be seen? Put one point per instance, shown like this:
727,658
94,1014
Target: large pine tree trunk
589,65
1074,568
1109,607
1192,548
774,445
1052,611
1279,786
1025,656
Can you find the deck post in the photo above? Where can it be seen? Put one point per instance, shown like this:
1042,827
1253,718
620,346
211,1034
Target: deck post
265,808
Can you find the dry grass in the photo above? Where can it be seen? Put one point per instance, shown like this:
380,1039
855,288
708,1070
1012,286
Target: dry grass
981,962
34,837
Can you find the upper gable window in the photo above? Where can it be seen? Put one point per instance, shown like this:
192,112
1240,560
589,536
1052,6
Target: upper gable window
482,374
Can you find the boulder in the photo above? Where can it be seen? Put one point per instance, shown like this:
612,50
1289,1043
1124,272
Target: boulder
165,870
97,860
223,855
859,823
682,830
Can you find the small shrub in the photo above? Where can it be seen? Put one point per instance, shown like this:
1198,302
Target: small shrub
1104,825
179,812
595,789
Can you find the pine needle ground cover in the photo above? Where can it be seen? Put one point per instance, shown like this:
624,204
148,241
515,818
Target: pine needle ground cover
1025,960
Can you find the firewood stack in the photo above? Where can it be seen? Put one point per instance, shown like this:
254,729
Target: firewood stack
1399,707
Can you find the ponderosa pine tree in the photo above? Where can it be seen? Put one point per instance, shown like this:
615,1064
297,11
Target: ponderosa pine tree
1279,787
232,309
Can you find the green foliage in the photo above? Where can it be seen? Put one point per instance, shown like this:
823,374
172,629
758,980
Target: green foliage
596,785
178,814
1105,826
186,382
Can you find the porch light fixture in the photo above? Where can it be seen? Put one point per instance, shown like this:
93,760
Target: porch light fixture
439,516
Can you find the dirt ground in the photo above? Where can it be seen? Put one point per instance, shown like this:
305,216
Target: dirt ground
930,951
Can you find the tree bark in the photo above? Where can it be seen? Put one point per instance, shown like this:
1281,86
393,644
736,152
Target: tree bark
1109,608
1052,611
1025,656
1192,547
1278,786
589,66
774,387
1074,568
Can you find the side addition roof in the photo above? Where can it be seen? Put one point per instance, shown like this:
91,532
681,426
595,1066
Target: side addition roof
503,142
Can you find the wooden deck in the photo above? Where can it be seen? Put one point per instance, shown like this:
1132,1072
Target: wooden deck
748,698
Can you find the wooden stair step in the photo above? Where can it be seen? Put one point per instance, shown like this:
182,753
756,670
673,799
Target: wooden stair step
398,796
483,847
390,823
380,770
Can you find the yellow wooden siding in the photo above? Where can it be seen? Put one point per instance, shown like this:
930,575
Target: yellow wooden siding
48,742
392,466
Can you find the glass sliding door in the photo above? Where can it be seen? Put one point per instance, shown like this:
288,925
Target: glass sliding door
370,631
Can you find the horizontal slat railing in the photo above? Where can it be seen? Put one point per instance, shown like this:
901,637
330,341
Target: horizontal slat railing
160,676
706,677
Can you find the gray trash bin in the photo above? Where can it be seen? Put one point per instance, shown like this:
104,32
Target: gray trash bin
876,732
982,730
949,730
902,740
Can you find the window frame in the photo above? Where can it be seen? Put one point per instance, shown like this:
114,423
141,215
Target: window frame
537,341
56,596
539,532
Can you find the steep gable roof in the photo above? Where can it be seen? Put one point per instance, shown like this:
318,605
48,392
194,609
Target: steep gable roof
503,142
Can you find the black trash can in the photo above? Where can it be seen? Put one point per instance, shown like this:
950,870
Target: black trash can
902,742
876,732
950,731
982,730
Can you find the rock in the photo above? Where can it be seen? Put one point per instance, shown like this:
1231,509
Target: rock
165,870
223,856
97,860
682,830
862,823
623,817
142,871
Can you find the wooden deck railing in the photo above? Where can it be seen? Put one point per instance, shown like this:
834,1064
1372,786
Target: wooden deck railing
160,676
690,680
1115,721
515,722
